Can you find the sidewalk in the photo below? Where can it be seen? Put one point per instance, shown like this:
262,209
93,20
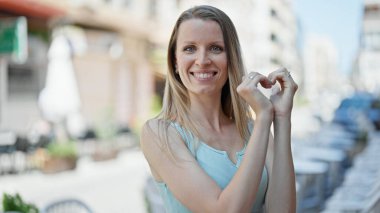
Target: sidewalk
112,186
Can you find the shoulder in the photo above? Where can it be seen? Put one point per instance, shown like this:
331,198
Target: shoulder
158,127
151,126
158,132
162,147
152,129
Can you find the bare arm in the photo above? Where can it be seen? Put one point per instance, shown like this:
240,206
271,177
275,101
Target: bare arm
186,179
281,196
244,186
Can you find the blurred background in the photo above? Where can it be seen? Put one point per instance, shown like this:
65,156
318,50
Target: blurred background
78,78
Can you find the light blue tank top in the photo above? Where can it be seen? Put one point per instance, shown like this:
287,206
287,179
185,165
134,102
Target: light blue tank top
217,165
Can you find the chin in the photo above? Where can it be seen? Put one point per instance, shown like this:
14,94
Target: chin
207,91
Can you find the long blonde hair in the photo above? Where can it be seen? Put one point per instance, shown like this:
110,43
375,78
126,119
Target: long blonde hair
176,100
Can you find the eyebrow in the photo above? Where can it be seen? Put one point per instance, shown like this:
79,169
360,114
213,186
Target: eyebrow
213,42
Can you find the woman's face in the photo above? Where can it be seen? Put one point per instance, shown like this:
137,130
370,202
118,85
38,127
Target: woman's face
201,58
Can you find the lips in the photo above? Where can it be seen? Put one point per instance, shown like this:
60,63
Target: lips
203,75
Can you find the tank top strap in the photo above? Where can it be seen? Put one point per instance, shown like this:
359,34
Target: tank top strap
186,135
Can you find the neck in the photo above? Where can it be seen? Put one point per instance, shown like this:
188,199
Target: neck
207,112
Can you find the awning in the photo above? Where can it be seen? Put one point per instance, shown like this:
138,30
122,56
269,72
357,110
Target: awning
29,8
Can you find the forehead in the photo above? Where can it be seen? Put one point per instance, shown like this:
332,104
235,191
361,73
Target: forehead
193,30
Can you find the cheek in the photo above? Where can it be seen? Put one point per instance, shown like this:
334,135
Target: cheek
221,60
184,61
222,64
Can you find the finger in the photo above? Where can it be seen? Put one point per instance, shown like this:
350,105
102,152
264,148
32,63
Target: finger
252,75
259,78
281,74
286,82
266,83
244,80
249,83
248,78
256,78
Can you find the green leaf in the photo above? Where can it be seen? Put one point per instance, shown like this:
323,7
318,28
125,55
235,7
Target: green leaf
15,203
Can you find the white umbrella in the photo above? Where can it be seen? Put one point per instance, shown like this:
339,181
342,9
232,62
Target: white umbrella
60,97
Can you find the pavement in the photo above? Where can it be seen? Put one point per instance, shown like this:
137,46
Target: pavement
114,186
110,186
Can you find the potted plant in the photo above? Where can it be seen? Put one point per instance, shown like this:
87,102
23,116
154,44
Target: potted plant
105,146
60,156
14,203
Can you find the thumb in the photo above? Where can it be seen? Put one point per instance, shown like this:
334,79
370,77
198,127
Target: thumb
275,89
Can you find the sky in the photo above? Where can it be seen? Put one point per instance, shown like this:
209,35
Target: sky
339,20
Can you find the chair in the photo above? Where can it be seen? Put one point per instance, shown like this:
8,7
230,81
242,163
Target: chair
311,177
7,151
360,191
70,205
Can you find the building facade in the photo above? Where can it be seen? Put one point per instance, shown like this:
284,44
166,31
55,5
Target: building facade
110,49
119,52
321,67
366,75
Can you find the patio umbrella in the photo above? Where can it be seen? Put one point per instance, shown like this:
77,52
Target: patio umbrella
60,96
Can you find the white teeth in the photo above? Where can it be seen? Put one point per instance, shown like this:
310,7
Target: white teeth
203,75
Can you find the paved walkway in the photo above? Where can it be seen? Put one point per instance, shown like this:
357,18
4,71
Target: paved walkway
111,186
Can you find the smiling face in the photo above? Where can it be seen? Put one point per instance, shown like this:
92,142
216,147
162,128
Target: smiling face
201,58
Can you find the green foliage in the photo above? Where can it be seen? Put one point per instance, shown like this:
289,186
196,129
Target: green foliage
15,203
62,149
106,131
155,109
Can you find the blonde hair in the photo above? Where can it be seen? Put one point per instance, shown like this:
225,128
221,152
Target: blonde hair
176,100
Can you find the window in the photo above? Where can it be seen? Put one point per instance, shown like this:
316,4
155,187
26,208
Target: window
273,37
273,13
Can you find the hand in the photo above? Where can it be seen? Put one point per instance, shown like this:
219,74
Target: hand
282,100
252,95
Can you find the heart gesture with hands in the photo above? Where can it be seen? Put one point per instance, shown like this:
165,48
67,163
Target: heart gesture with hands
282,99
281,102
252,95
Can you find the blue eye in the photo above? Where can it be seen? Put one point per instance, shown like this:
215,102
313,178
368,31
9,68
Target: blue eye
189,49
216,49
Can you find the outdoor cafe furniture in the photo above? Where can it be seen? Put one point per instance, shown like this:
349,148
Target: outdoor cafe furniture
67,205
7,151
311,176
333,157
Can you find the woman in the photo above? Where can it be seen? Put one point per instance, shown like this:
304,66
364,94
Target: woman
205,152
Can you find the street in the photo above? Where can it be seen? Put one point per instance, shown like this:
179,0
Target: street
111,186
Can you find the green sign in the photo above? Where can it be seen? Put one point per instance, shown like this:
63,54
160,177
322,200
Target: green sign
13,38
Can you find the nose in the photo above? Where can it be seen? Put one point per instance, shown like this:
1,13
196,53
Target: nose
203,58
